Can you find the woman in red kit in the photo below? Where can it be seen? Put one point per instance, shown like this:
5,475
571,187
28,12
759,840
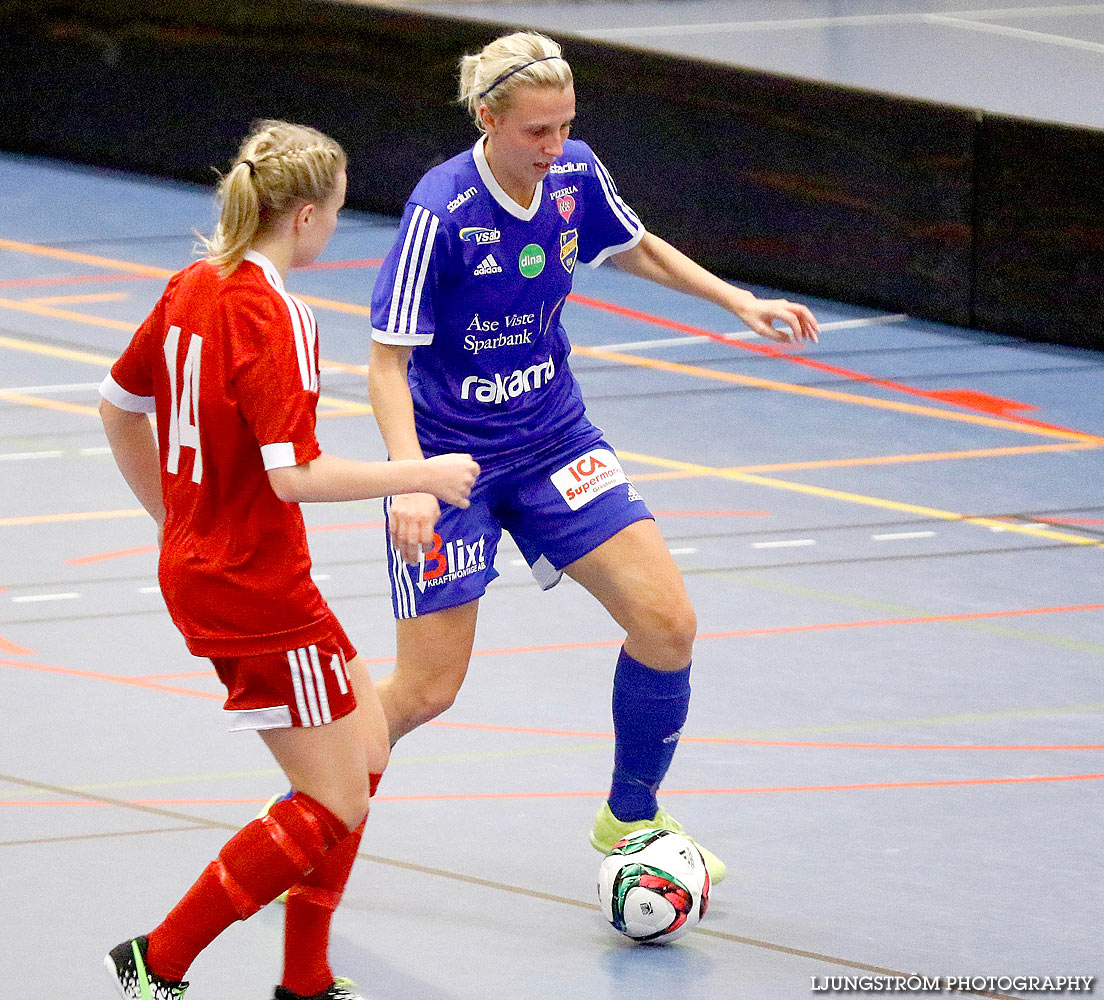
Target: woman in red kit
228,361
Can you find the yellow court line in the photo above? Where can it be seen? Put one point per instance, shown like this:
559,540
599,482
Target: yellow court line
844,397
88,515
835,463
628,359
66,353
55,253
343,407
28,306
928,456
820,491
49,404
98,297
145,270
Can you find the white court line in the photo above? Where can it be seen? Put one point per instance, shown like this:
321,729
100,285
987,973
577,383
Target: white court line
682,552
20,456
149,590
41,389
23,456
1021,33
894,536
788,544
29,598
840,324
843,21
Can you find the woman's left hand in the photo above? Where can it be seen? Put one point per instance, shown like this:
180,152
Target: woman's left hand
799,323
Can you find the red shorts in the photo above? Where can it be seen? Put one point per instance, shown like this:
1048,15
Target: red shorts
300,687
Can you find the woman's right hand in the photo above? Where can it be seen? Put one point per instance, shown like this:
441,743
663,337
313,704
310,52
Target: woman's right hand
411,519
453,477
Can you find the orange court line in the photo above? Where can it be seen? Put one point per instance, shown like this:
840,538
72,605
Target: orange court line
89,515
104,556
141,682
966,399
791,744
736,634
142,549
928,456
711,513
338,265
506,796
95,297
73,279
787,629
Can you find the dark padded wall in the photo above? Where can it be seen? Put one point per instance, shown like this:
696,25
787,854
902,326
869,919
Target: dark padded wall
1040,234
894,203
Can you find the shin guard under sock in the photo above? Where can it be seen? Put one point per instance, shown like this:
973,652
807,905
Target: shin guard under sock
649,709
258,863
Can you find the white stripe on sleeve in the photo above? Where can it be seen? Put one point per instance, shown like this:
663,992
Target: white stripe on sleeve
118,396
280,455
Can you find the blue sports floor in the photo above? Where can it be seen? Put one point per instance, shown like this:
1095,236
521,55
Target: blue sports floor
894,543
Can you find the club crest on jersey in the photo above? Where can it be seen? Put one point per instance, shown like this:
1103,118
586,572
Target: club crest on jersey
480,234
569,249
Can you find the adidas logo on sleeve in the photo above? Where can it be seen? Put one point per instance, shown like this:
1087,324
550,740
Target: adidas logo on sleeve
488,265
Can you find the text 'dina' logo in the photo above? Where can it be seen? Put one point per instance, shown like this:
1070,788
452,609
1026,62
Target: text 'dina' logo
588,477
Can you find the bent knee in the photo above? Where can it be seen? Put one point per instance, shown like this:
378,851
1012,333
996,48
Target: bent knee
665,635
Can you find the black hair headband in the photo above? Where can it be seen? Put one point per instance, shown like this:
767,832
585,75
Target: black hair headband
516,69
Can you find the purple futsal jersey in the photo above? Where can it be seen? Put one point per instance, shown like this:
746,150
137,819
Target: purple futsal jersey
475,283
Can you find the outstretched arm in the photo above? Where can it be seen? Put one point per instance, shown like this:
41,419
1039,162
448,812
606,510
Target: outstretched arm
658,261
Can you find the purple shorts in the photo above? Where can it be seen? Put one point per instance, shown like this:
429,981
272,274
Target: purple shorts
557,508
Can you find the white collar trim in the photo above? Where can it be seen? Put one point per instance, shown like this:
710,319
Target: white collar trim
499,195
267,266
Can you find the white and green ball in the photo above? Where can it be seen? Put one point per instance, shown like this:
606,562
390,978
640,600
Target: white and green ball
653,886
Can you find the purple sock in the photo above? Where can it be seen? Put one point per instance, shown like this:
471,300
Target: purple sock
649,709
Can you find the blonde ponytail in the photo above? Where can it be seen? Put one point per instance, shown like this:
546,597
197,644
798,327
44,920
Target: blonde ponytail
524,58
279,167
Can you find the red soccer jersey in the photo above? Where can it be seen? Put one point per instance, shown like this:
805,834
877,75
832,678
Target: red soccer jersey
231,369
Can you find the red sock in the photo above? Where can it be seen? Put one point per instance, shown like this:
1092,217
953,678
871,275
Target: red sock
258,863
310,908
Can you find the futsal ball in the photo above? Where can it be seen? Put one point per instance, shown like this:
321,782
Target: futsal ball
653,886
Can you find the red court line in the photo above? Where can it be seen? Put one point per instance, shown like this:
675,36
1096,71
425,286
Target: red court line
788,629
338,265
104,556
12,649
802,744
1069,520
96,557
968,399
711,513
141,682
505,796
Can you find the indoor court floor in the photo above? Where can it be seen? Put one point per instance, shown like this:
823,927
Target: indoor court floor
891,539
